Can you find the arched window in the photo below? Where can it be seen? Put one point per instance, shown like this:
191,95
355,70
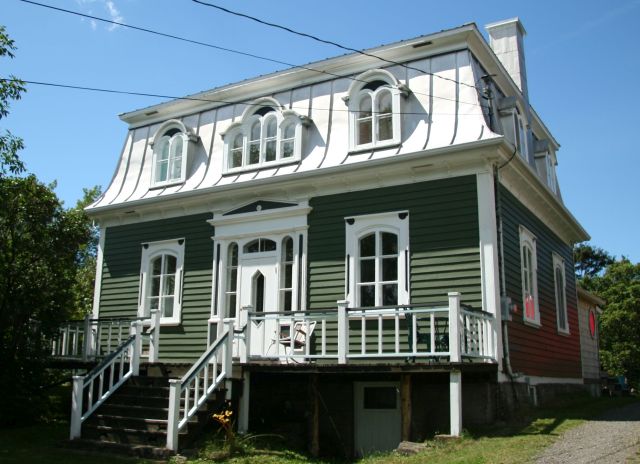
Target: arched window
260,245
161,280
374,108
271,136
170,153
561,294
231,293
286,275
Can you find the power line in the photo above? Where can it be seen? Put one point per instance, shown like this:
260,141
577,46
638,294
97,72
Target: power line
325,41
207,100
230,50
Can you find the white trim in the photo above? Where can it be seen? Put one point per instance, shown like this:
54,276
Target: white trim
527,239
490,281
382,222
150,250
97,286
558,263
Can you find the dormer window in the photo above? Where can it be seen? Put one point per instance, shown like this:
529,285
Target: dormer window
374,110
170,154
266,136
551,172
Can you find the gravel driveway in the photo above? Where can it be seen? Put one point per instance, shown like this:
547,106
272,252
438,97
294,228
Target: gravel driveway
612,438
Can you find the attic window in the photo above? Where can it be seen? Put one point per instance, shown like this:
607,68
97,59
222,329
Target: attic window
264,110
171,146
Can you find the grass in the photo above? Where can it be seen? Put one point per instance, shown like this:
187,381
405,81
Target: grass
517,442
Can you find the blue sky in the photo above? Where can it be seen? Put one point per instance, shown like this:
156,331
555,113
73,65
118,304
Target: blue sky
582,64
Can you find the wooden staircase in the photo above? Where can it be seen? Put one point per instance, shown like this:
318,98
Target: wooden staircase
133,421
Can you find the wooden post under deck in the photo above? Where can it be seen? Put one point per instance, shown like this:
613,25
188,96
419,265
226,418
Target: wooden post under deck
314,406
405,401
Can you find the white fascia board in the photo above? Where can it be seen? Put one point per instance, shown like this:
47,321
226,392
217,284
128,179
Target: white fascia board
346,65
520,179
449,161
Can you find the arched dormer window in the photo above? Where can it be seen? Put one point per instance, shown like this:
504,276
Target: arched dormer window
171,147
267,135
374,110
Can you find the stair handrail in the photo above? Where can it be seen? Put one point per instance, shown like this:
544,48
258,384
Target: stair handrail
129,350
205,369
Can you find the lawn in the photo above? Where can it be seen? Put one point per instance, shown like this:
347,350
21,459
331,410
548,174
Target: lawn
507,443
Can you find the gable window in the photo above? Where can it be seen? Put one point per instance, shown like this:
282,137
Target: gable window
265,137
561,293
529,270
377,259
171,153
161,280
374,110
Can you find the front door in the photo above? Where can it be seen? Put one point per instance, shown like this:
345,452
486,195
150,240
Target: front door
259,289
377,417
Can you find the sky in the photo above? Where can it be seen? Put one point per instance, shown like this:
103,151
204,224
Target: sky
582,67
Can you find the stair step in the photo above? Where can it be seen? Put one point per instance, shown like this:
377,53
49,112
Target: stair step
127,410
142,390
126,436
106,447
127,422
148,381
135,400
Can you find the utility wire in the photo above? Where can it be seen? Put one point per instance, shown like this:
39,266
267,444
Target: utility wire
199,99
226,49
325,41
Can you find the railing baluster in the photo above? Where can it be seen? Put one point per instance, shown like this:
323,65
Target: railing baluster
432,335
379,333
396,338
363,332
90,397
307,344
323,326
414,334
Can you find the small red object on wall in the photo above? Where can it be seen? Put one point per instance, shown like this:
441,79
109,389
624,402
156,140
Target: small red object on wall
592,323
529,307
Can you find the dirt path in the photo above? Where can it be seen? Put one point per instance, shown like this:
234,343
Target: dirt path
611,438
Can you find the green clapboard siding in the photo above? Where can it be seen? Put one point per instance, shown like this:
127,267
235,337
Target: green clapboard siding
443,227
121,279
539,351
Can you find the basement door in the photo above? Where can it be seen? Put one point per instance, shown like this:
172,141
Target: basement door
377,417
259,288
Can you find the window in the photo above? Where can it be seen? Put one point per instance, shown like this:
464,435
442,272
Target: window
161,280
265,136
260,245
231,293
561,293
377,259
286,275
551,172
374,108
528,260
521,135
171,153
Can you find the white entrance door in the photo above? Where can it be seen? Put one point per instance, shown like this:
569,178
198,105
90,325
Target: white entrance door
377,417
259,289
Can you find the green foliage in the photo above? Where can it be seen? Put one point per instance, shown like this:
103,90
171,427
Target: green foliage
85,274
39,243
10,89
590,261
619,286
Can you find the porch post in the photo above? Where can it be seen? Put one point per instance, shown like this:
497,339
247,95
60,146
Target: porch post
174,414
154,339
455,402
243,419
405,401
76,407
245,322
343,332
136,348
454,327
86,339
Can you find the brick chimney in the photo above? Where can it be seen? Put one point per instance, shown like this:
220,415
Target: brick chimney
506,39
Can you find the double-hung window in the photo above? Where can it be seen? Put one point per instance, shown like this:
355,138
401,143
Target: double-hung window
529,271
171,146
561,293
161,280
378,259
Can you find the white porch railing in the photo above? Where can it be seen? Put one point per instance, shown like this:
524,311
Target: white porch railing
186,395
95,338
93,389
400,332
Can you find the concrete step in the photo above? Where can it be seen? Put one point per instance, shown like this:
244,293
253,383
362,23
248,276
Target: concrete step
126,436
159,453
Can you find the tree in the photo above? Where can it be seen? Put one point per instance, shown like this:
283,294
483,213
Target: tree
590,260
10,89
619,286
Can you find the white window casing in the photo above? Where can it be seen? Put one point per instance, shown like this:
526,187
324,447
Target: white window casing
262,141
161,277
375,111
172,145
370,269
529,272
560,285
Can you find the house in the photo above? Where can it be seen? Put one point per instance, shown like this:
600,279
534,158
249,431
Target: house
360,250
589,310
